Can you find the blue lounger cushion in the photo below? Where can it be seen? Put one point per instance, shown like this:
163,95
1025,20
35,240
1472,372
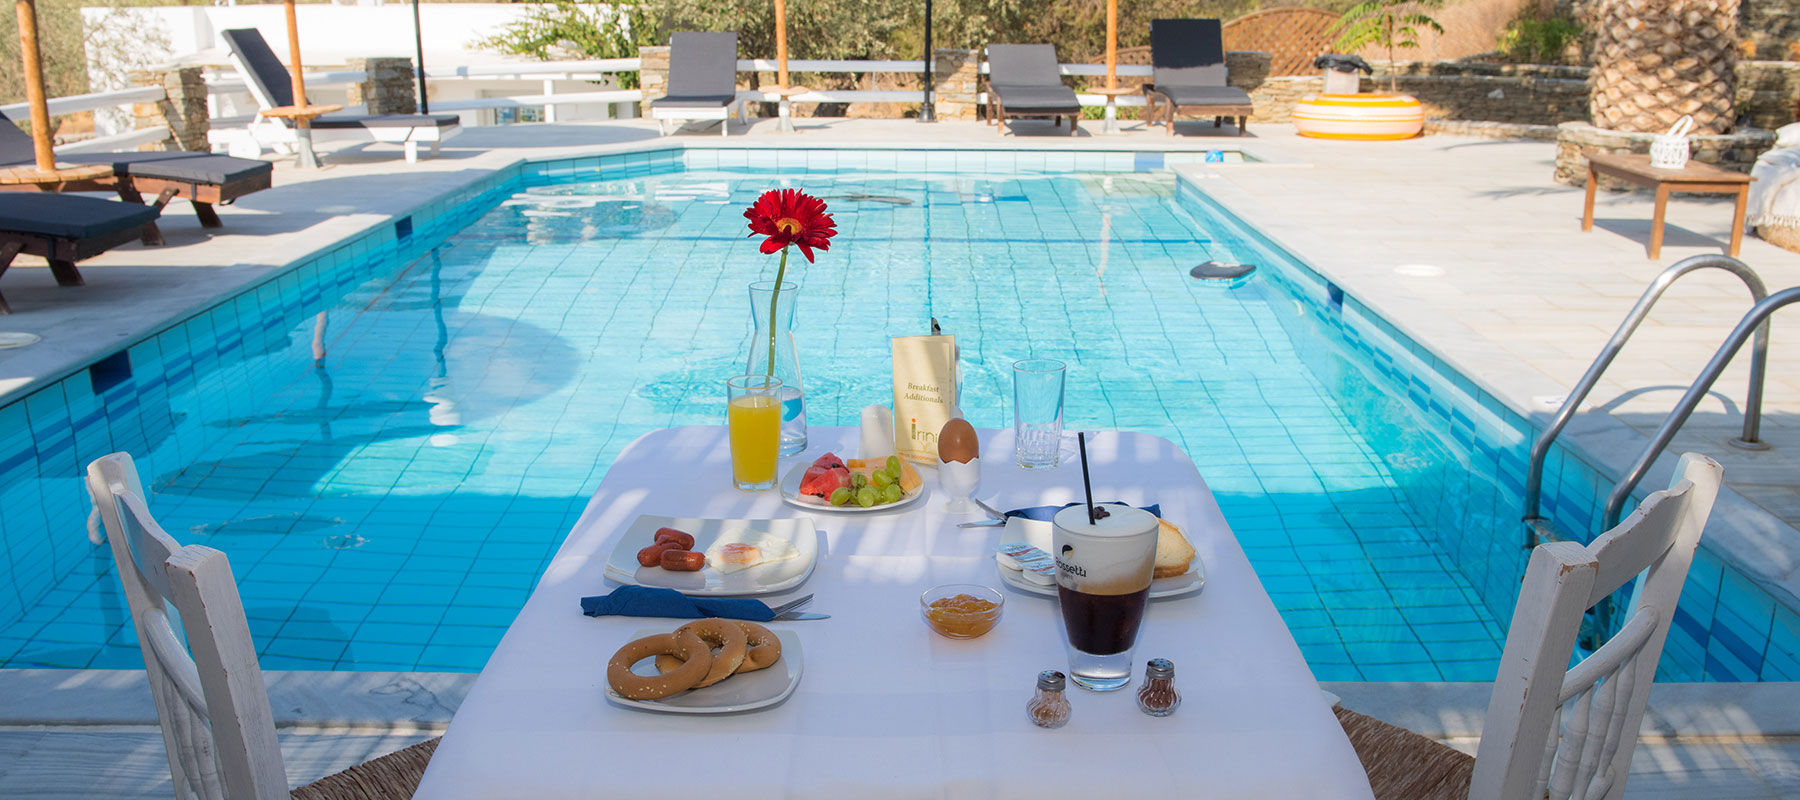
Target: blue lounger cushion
348,121
69,216
175,166
1205,95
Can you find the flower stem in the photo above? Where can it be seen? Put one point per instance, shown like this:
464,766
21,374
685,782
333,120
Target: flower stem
775,303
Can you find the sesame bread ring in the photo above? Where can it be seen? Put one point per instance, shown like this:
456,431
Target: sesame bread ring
726,636
693,652
765,647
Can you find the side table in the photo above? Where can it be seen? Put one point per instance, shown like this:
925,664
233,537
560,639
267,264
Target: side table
1695,177
302,116
1112,95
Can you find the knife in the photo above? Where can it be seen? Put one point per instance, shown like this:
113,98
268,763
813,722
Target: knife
794,615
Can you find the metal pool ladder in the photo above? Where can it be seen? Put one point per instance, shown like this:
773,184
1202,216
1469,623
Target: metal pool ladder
1537,527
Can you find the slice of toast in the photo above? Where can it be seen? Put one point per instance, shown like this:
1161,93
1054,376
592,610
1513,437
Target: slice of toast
1173,552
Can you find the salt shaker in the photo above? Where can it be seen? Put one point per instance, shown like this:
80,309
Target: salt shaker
1049,708
1158,697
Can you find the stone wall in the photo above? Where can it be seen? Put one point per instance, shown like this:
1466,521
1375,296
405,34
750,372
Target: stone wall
1771,26
183,111
653,73
1575,140
1767,92
387,87
955,82
1274,99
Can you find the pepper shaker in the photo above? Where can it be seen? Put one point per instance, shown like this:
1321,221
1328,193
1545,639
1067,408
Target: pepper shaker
1158,697
1049,708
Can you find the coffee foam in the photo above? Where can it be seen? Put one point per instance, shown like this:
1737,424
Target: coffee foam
1116,555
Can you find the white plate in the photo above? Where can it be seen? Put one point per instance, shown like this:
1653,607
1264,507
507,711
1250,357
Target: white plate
622,565
745,692
790,492
1175,586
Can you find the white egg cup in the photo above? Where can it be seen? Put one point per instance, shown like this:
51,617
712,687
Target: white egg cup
960,482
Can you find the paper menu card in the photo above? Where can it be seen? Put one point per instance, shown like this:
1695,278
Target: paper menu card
925,389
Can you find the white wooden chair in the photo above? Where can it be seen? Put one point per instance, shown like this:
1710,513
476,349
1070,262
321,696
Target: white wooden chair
209,692
1552,731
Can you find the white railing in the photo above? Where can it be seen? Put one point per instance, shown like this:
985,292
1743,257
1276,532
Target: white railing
119,141
92,101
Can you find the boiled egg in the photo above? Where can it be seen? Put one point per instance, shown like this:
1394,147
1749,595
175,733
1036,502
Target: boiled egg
742,549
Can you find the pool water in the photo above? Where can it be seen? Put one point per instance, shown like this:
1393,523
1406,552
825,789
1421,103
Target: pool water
390,476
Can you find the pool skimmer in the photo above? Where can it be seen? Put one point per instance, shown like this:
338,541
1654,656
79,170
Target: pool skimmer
15,339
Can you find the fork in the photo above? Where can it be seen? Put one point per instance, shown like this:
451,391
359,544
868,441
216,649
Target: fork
989,509
791,605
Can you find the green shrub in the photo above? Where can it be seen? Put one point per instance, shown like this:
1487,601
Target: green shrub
1530,40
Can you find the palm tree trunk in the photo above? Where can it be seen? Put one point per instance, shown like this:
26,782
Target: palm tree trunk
1656,60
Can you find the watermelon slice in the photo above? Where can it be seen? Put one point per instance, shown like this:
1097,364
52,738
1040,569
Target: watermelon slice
828,461
820,481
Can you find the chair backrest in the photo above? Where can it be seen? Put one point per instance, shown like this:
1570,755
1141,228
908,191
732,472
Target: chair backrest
210,698
1023,65
1528,748
15,145
269,81
702,64
1187,52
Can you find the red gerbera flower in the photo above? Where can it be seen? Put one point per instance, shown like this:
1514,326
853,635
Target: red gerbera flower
790,216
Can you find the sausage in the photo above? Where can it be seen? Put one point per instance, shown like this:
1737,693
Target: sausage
681,539
652,556
683,560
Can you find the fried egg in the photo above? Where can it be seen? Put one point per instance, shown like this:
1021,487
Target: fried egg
743,549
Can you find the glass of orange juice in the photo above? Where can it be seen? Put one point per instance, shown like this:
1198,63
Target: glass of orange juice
753,418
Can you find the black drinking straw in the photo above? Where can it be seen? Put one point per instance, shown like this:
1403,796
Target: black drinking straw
1087,486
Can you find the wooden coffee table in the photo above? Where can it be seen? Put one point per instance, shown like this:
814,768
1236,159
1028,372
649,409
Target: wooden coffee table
1695,177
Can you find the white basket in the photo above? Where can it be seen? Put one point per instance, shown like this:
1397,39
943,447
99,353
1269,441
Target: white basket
1670,150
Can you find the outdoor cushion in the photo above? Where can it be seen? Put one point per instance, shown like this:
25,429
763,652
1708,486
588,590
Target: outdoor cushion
177,166
329,122
1024,65
266,71
1187,52
15,144
1038,99
1205,95
702,66
69,216
709,101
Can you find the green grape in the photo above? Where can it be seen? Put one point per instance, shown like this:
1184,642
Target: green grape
865,496
892,493
893,466
840,496
880,479
858,480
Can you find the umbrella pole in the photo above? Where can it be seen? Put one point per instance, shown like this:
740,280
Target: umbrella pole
781,72
1112,44
419,48
41,144
926,111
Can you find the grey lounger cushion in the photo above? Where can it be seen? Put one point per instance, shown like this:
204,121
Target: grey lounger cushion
1028,80
702,71
387,121
1187,52
69,216
177,166
1205,95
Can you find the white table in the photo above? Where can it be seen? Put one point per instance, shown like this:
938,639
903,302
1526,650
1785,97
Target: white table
887,708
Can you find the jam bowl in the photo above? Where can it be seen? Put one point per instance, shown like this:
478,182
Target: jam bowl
961,610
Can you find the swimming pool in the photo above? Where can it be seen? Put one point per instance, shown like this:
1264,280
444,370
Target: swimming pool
391,441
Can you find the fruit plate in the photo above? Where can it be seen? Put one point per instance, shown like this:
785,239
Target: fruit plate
622,565
743,692
790,492
1174,586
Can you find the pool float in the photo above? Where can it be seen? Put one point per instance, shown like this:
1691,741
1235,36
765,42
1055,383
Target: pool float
1359,116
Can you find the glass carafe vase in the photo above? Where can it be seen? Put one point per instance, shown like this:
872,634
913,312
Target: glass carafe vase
779,330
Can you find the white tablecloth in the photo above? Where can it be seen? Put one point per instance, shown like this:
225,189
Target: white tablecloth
887,708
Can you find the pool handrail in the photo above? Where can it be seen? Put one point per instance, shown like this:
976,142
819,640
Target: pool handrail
1755,320
1540,449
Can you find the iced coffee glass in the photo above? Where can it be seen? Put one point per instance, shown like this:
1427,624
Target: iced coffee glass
1103,573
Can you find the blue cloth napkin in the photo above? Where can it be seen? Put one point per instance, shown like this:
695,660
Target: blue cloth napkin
1044,513
646,601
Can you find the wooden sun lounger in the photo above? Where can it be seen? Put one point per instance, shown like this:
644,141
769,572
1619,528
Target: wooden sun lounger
1187,58
702,81
1024,81
204,179
65,229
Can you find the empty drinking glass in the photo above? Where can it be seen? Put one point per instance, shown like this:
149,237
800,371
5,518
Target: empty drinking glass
1037,412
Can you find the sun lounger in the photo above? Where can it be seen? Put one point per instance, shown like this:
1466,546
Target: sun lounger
1187,58
272,87
203,178
64,229
1024,81
702,81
